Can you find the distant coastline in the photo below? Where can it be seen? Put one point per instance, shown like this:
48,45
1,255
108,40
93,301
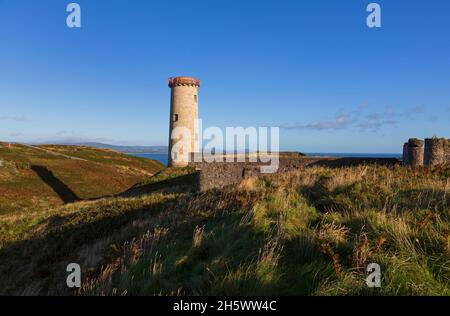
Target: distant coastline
164,157
120,148
163,150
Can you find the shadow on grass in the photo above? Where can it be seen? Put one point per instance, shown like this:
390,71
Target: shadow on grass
229,261
181,184
59,187
39,264
319,196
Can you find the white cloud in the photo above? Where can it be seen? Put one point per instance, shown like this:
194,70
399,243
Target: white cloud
13,118
360,119
340,121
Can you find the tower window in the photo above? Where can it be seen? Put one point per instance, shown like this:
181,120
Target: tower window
175,117
195,98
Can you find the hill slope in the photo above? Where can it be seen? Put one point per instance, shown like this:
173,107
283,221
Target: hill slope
308,232
37,178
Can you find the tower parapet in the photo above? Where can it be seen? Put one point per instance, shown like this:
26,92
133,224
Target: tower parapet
184,81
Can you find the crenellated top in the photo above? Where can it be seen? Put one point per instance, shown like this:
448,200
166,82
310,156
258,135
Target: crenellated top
184,81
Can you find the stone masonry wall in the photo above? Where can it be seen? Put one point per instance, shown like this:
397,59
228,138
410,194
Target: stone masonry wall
221,174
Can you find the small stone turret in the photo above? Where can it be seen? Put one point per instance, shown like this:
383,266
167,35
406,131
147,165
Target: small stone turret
415,152
447,151
435,151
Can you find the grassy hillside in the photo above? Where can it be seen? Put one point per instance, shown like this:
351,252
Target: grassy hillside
38,178
309,232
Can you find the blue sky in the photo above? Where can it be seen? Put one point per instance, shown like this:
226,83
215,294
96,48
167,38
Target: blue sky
311,67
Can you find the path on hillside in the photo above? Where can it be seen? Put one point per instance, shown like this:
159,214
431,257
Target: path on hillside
55,153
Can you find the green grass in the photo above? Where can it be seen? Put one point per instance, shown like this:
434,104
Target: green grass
309,232
101,173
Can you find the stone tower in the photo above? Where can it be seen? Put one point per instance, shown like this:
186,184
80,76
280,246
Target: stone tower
415,152
183,138
405,154
434,151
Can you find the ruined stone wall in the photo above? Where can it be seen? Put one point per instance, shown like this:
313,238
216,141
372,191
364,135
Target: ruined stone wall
221,174
433,152
218,175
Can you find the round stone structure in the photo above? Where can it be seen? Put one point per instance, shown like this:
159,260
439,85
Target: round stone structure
447,151
183,134
415,152
434,151
405,154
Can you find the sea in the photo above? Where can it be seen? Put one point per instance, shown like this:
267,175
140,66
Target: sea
164,158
